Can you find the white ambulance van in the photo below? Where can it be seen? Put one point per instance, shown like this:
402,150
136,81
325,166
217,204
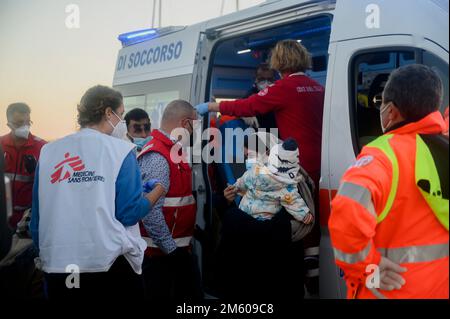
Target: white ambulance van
355,44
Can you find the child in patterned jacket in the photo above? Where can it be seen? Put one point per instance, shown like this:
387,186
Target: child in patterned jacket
266,188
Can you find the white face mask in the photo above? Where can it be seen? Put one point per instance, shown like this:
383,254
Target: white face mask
120,130
22,132
384,128
263,85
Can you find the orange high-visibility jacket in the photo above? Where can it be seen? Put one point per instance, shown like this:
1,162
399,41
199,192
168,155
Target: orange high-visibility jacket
410,234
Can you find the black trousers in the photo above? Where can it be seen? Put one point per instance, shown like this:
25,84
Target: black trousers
21,279
120,282
257,261
172,278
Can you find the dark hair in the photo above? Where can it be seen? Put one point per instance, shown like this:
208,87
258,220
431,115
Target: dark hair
416,90
290,144
94,103
136,114
265,67
17,107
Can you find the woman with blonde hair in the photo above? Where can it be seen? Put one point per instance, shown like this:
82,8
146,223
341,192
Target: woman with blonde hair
296,100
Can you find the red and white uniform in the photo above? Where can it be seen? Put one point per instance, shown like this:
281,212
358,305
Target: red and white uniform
15,168
179,207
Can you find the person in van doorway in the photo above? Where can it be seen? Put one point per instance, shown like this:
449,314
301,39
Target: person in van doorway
391,209
170,270
265,77
138,127
21,150
87,202
297,102
246,240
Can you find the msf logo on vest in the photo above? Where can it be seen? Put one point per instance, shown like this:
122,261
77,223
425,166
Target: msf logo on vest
72,170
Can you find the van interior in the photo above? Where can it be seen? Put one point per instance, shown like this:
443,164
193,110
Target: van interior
370,72
235,60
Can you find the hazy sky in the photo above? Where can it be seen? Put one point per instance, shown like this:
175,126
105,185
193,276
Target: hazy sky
49,66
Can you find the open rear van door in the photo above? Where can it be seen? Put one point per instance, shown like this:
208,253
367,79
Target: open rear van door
368,41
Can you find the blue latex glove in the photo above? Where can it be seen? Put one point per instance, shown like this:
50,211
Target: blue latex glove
202,109
148,186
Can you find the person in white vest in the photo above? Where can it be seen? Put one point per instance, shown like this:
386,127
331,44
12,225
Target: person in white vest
87,201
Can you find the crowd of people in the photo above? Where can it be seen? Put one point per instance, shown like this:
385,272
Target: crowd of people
108,210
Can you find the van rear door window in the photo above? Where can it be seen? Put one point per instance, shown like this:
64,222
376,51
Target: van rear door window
441,68
371,71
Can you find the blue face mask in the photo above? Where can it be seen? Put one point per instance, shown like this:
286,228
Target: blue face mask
249,164
141,141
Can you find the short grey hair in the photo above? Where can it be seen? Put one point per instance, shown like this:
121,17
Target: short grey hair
177,110
17,108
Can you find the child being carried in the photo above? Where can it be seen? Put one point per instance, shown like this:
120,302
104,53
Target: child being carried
268,188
